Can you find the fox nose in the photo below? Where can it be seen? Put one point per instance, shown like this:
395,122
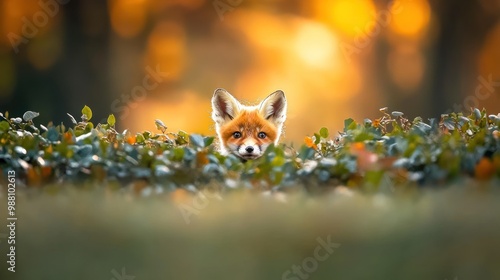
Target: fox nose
249,149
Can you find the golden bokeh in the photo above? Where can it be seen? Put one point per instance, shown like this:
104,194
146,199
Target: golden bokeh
166,47
406,67
489,57
188,112
315,45
346,16
24,17
128,17
412,19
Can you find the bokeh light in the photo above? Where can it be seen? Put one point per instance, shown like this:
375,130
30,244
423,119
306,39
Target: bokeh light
128,17
166,47
412,18
315,45
489,60
348,16
406,66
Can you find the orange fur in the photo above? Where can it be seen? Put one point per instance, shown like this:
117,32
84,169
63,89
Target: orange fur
249,123
246,131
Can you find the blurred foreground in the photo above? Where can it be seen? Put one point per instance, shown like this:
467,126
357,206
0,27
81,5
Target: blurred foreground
447,234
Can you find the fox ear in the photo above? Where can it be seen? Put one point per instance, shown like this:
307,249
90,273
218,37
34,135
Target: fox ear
224,106
273,107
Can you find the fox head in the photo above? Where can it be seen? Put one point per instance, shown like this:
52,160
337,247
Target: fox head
246,131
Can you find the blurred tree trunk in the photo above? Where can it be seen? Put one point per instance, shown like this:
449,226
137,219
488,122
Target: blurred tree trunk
463,27
84,64
451,70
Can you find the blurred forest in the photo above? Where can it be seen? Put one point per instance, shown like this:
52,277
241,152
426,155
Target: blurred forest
162,59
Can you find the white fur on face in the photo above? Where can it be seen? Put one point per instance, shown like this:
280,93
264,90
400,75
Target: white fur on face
249,150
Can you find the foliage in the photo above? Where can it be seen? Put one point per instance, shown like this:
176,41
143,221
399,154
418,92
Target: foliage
388,153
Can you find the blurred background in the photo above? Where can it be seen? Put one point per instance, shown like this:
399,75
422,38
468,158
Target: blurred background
162,59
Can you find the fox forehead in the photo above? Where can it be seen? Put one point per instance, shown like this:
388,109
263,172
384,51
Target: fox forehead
249,122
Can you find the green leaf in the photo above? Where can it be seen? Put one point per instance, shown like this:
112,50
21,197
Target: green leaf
324,132
208,141
111,120
89,126
160,125
139,138
52,134
477,113
182,138
29,115
317,138
306,153
197,140
178,154
87,112
4,126
278,161
348,124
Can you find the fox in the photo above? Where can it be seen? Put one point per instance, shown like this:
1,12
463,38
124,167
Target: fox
247,131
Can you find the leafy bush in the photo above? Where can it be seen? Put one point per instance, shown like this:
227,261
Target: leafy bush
388,152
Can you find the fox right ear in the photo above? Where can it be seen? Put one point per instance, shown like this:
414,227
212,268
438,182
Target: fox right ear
224,106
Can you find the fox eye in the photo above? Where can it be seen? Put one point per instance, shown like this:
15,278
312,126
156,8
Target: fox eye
262,135
237,134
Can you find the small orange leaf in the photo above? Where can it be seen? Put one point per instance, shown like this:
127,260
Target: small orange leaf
310,143
358,146
46,171
68,137
33,176
131,140
484,169
201,158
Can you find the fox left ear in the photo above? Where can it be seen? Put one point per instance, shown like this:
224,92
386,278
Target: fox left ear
225,107
273,107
